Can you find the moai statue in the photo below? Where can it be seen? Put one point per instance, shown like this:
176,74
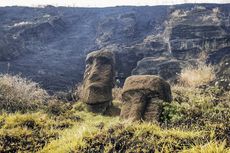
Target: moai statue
98,81
143,96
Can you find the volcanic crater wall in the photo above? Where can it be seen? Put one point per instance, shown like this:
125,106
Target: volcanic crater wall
49,44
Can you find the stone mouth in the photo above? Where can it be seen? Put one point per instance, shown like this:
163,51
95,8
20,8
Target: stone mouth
99,103
96,85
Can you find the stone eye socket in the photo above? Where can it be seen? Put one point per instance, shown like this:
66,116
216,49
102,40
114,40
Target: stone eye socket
104,60
89,61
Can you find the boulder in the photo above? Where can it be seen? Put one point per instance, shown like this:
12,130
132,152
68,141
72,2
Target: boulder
166,68
143,96
98,80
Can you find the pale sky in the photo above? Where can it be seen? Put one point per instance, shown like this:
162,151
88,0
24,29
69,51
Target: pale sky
102,3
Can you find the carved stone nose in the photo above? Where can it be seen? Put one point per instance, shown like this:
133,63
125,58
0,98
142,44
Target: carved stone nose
94,77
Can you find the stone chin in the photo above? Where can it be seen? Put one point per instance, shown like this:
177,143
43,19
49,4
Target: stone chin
96,85
96,93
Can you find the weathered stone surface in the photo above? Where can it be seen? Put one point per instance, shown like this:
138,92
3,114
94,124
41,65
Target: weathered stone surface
142,97
98,80
166,68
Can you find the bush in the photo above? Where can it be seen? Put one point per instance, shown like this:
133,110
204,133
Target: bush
195,76
26,132
116,92
142,138
195,108
212,147
55,107
30,132
78,92
20,94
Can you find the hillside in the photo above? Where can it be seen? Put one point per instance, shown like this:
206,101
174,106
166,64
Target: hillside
177,99
197,121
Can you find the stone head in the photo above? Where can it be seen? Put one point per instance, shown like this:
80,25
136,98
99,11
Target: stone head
142,96
98,77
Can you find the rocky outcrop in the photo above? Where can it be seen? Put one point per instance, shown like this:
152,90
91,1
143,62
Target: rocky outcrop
143,96
223,73
196,31
188,34
98,81
11,47
166,68
44,30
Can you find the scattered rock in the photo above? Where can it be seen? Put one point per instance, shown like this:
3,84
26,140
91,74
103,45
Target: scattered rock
223,74
143,95
98,80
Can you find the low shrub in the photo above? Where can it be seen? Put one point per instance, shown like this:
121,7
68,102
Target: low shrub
195,108
143,137
30,132
211,147
77,92
20,94
25,132
116,92
194,76
56,107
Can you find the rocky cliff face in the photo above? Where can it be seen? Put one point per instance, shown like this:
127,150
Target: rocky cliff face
188,35
49,44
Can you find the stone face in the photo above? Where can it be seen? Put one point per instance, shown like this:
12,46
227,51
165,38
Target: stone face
98,80
142,97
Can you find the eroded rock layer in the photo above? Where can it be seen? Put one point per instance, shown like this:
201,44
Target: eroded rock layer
49,44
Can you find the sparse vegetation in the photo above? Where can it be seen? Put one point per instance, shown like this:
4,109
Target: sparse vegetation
117,93
194,76
20,94
136,137
78,91
197,120
212,147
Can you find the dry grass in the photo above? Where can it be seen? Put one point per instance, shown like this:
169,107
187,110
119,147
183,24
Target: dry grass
195,76
73,137
20,94
193,122
116,92
78,91
211,147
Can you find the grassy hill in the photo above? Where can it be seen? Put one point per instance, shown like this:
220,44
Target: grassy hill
197,121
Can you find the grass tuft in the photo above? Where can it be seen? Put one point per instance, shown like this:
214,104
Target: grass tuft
196,76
